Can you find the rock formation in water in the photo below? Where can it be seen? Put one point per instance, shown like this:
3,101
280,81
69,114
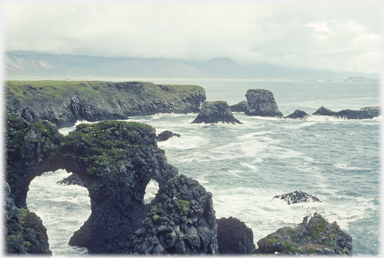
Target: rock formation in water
234,237
298,114
73,179
363,113
163,136
297,197
25,233
65,102
315,235
239,107
181,221
214,112
261,103
31,151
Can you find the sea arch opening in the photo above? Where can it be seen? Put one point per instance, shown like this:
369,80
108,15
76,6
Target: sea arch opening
62,208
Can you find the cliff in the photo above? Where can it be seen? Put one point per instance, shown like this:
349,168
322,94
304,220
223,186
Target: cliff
64,102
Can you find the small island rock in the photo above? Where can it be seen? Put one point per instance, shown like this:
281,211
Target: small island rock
73,179
214,112
261,103
239,107
363,113
298,114
163,136
297,197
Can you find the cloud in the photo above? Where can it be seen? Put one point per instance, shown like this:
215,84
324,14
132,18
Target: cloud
279,34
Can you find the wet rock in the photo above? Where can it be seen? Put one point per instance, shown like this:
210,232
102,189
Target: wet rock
73,179
234,237
214,112
315,235
297,197
163,136
239,107
181,221
298,114
261,103
25,233
363,113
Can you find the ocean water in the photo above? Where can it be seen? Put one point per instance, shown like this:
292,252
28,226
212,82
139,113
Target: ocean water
244,166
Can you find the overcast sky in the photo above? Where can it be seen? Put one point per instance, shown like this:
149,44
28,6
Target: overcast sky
335,37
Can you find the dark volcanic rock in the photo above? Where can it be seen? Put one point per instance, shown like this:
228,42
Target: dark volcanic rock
31,151
315,235
373,111
116,160
234,237
73,179
214,112
261,103
25,232
322,111
298,114
297,197
363,113
165,136
239,107
181,221
64,103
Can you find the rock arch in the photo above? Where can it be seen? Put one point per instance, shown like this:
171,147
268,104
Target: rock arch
116,160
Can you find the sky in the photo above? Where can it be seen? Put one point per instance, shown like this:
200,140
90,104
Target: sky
331,36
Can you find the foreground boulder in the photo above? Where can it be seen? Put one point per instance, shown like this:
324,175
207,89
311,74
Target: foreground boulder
315,235
297,197
163,136
298,114
181,221
234,237
25,232
363,113
214,112
261,103
239,107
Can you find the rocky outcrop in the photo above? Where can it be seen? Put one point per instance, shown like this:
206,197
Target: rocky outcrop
163,136
234,237
298,114
363,113
297,197
261,103
31,151
239,107
25,233
65,102
181,221
73,179
214,112
315,235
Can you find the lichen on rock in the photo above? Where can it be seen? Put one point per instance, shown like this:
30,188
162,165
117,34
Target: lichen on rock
315,235
181,221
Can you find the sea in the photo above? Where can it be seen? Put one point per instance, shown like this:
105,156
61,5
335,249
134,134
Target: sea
245,165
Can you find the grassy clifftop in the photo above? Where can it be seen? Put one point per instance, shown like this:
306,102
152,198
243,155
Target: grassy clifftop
57,90
65,102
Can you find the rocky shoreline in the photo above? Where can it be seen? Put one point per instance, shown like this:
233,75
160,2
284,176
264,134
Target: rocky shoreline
115,160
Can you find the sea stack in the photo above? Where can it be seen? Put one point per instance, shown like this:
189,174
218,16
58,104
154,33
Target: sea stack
261,103
214,112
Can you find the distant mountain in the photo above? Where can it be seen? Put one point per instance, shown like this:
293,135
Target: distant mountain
30,64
